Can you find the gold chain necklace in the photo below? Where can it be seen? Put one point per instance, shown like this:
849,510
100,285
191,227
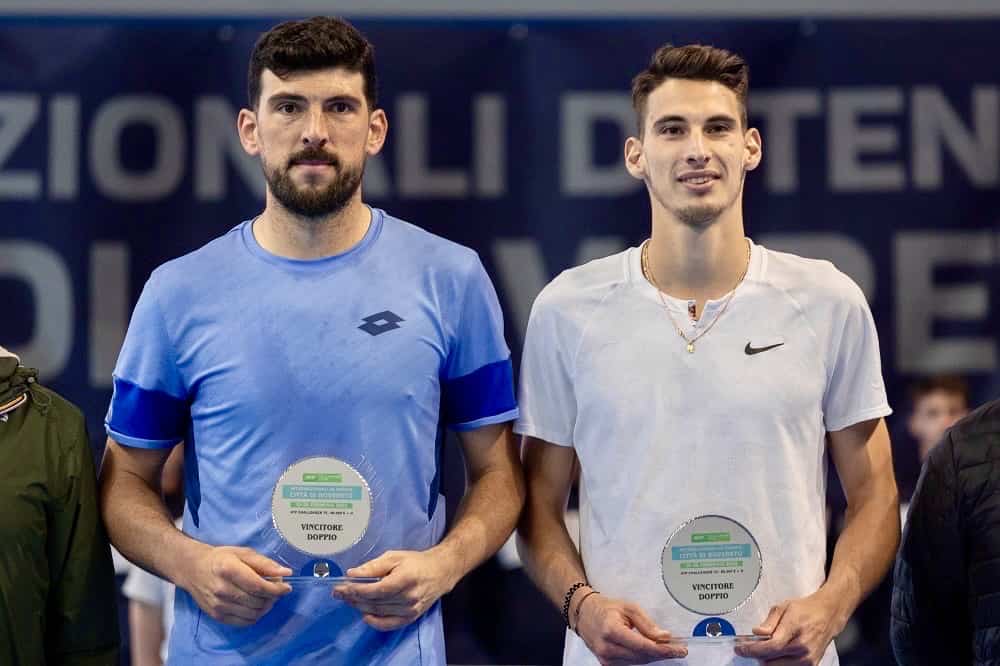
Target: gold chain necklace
648,274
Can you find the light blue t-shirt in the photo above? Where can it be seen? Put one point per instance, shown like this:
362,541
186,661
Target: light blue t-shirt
257,361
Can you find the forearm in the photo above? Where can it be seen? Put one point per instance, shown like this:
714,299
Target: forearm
484,520
141,528
865,550
548,553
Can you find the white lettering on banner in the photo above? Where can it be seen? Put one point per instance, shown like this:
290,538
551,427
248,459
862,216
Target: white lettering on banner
109,308
919,302
376,179
490,134
935,125
415,176
848,140
216,142
847,254
46,275
17,115
580,174
864,130
110,175
64,147
522,272
781,111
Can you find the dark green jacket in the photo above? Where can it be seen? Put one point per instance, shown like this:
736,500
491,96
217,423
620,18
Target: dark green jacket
57,589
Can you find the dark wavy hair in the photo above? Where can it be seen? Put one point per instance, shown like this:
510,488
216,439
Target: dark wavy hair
314,43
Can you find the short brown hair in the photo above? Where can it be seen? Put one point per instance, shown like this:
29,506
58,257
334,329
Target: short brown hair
314,43
952,384
697,62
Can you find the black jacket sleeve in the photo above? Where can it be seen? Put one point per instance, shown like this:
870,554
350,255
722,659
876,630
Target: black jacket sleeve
930,623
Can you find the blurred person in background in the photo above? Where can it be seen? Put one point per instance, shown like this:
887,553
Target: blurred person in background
938,402
321,327
945,601
698,374
57,588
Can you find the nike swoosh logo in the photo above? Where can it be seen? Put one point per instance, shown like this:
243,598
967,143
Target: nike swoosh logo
750,351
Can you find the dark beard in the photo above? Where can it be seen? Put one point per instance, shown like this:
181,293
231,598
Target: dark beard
314,203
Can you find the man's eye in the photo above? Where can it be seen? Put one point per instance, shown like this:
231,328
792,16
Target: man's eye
286,107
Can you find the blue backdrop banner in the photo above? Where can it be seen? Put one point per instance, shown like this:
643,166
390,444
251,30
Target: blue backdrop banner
118,152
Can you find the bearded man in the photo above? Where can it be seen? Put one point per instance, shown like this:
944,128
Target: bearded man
327,330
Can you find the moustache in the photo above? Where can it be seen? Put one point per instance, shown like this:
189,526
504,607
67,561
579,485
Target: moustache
313,155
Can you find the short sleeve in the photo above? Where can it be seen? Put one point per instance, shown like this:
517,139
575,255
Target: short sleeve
149,405
547,399
855,391
140,585
477,386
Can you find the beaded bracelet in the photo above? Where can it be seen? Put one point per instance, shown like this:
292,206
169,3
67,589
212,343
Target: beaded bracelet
569,596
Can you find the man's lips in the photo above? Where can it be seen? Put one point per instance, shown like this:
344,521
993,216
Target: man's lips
701,181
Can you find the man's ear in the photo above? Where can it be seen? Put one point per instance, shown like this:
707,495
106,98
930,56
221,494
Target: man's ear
246,127
635,158
378,128
754,150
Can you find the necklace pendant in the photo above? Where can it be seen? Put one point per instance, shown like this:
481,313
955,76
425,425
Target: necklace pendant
690,348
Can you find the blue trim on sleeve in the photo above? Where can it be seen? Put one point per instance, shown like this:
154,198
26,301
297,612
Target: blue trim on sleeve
510,415
479,395
140,443
140,415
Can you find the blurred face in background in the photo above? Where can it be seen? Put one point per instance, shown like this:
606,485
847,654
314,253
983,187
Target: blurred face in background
933,413
694,151
313,131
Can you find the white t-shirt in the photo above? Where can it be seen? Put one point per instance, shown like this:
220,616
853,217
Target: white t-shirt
664,435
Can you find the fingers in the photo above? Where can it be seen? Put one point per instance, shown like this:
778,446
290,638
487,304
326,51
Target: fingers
617,638
264,566
767,627
639,648
239,573
645,624
380,566
782,634
235,614
390,587
386,623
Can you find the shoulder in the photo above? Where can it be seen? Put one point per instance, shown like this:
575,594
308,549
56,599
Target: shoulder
809,279
413,243
577,291
975,440
55,406
212,259
66,425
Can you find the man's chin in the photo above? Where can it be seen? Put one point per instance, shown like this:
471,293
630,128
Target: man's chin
699,216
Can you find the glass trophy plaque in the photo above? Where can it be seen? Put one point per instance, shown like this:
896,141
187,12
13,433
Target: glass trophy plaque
321,510
711,565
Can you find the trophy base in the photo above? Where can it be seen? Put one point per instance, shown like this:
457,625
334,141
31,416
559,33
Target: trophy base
716,640
298,581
